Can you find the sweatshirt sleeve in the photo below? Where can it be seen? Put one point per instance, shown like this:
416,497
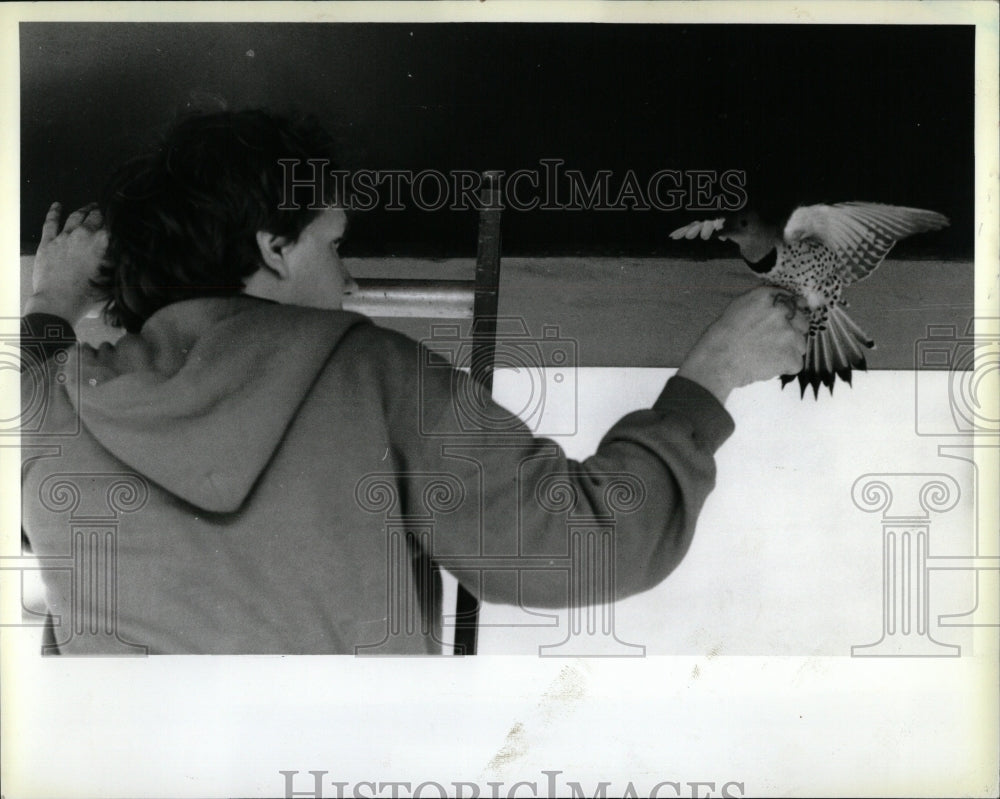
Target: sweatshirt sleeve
521,513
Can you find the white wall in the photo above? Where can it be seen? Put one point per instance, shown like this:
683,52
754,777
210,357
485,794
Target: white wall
783,561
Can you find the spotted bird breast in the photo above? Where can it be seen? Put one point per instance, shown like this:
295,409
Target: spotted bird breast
809,269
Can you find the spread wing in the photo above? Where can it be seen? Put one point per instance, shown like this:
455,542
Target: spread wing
703,227
860,234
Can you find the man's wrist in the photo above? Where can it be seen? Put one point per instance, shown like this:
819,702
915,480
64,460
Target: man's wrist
709,374
42,303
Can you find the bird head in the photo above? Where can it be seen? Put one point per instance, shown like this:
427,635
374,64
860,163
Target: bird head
743,227
751,233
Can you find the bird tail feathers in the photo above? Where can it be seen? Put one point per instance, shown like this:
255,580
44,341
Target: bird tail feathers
835,348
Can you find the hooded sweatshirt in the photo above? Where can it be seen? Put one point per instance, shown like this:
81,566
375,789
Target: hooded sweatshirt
246,477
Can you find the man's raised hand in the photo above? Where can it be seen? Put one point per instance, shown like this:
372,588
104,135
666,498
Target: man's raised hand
68,258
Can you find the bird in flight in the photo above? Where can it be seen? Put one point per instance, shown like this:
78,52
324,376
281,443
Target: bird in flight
815,253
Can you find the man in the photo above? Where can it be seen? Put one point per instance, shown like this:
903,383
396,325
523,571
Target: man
286,471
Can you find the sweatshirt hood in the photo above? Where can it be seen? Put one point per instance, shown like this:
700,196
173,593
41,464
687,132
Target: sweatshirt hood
201,397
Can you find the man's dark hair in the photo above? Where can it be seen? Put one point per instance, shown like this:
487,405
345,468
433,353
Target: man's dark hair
182,218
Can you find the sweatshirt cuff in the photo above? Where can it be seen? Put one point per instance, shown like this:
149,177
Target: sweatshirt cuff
712,422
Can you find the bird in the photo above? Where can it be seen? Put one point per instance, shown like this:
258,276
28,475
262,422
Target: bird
815,253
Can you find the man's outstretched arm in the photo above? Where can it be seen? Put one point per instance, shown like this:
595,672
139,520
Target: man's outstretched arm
522,494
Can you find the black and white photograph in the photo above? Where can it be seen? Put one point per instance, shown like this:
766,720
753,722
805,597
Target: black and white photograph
495,399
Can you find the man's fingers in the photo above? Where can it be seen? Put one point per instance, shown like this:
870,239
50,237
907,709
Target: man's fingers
794,355
76,218
89,216
50,228
786,300
796,314
800,323
100,240
94,219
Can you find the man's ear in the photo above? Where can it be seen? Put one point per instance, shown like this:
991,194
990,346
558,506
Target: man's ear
272,252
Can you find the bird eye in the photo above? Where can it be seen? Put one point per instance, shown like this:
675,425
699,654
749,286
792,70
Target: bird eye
743,223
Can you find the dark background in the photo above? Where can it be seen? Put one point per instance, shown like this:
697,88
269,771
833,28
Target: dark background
811,113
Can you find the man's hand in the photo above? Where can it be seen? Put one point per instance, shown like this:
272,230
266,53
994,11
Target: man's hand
66,262
761,335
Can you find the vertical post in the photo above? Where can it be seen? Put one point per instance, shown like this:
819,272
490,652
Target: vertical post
484,335
487,288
